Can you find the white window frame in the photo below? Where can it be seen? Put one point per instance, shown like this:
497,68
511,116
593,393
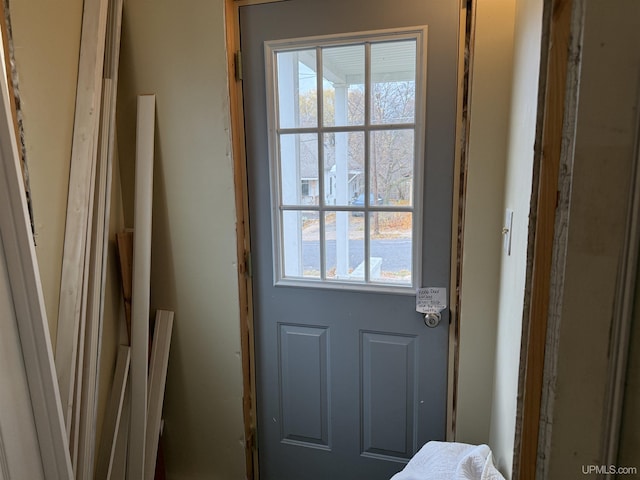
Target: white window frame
271,49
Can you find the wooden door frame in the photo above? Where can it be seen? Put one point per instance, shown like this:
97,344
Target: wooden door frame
243,245
561,62
547,240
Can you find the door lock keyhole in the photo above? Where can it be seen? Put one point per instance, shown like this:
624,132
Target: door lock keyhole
432,320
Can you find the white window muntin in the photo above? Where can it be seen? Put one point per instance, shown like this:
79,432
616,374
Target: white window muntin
275,133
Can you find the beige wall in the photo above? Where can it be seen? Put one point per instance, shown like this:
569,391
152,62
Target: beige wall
522,130
177,51
46,38
490,106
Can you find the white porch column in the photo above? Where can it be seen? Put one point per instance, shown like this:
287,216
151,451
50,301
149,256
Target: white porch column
288,104
342,183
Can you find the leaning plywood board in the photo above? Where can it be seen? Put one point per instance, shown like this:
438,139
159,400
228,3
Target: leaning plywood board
157,379
88,96
113,415
143,199
28,302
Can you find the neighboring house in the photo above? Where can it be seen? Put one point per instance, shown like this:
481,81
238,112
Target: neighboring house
309,184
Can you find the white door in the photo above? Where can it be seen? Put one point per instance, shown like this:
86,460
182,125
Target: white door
350,109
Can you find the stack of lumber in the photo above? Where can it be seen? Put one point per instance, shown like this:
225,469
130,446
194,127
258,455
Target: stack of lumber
82,284
132,422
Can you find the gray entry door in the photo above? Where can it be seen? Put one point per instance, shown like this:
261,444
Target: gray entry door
344,227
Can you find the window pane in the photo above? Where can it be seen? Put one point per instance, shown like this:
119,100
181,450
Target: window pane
343,78
344,246
297,89
391,164
391,245
299,169
393,82
301,244
343,167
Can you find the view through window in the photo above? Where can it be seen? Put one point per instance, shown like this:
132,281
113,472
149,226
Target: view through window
347,142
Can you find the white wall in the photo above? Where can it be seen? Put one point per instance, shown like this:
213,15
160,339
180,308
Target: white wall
490,106
177,51
522,129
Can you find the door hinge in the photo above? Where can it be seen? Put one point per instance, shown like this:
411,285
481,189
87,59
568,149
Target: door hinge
248,269
238,64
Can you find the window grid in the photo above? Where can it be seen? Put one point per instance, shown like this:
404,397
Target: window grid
367,128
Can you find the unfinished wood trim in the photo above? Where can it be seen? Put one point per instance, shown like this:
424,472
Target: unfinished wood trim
91,341
465,69
28,302
157,379
113,415
243,247
88,97
99,243
546,175
73,424
141,284
560,241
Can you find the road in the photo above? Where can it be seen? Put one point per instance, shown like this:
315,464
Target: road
395,253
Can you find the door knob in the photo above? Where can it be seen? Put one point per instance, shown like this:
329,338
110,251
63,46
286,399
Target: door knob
432,320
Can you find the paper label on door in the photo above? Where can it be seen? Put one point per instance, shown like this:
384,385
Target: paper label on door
431,300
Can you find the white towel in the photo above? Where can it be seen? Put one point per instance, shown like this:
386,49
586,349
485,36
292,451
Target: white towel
450,461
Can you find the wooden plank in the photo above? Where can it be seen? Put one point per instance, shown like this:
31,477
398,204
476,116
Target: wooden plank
88,96
28,302
99,241
88,369
143,200
546,195
124,242
113,415
73,425
157,378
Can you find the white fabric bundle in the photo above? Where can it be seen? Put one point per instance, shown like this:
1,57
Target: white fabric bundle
450,461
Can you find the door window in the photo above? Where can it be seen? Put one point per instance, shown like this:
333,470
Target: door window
346,153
